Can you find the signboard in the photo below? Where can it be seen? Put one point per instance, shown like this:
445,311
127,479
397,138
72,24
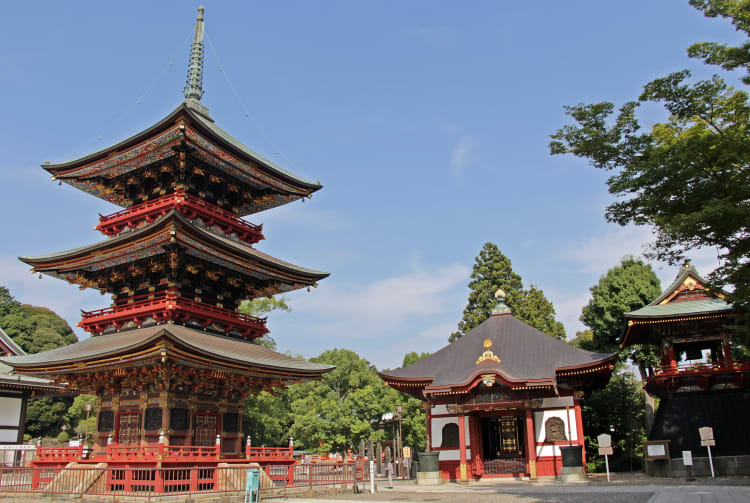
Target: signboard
407,452
654,451
605,451
687,458
707,436
604,440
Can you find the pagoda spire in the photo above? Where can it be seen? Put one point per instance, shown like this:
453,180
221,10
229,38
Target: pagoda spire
194,85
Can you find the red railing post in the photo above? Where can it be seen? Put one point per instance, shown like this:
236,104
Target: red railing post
248,447
218,446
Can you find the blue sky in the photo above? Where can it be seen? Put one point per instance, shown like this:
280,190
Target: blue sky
427,123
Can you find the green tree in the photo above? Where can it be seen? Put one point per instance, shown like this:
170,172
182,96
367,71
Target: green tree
77,416
263,305
618,410
46,416
713,53
532,307
413,357
626,287
686,177
492,271
344,407
268,418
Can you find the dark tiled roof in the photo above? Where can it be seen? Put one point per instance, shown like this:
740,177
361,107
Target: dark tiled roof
526,354
203,343
208,124
237,247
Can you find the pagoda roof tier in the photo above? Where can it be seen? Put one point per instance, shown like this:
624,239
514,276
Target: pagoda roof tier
161,344
685,302
508,349
190,140
162,246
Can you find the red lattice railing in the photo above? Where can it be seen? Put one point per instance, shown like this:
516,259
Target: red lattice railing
171,307
187,204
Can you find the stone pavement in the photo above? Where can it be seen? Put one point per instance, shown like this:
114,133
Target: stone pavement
735,490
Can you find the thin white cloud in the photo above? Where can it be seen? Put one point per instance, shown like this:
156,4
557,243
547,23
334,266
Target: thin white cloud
390,301
463,153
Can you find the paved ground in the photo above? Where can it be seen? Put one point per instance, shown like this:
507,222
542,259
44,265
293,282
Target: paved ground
623,490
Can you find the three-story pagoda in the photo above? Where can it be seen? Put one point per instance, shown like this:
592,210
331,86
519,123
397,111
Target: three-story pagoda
172,358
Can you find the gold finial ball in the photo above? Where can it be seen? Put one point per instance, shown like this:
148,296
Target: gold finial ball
487,343
500,293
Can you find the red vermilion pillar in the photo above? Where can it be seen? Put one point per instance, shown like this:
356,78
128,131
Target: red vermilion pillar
462,447
579,431
531,443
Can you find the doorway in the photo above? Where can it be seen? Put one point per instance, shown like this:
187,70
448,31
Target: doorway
206,429
129,428
503,445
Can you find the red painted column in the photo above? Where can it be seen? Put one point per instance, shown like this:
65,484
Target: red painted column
462,447
531,443
579,431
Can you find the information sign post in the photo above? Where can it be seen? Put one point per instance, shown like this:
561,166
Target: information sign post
605,449
654,450
707,440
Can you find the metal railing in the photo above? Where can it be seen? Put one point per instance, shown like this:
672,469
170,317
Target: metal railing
146,482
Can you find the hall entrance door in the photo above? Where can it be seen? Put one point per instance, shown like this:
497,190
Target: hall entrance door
503,445
129,428
206,429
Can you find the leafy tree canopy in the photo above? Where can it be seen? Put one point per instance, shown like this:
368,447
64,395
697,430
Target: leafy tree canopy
33,328
262,305
620,407
713,53
413,357
686,177
492,271
626,287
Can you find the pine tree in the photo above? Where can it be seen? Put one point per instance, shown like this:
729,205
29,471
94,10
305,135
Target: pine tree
492,271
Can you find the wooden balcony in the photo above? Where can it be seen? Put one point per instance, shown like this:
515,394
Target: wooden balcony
169,306
698,376
190,206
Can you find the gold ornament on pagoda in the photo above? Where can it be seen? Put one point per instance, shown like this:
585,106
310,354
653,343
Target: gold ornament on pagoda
488,355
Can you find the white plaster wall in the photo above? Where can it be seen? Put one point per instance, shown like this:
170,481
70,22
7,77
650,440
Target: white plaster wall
437,429
540,417
453,455
10,412
440,409
557,402
8,436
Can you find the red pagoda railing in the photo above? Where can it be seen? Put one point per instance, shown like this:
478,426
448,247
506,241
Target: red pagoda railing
188,205
683,369
59,454
269,453
170,307
160,451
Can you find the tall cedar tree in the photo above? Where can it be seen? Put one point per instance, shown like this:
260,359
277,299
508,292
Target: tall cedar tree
492,271
626,287
686,177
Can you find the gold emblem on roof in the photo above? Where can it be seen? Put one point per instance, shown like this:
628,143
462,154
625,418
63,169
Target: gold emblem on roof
488,355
